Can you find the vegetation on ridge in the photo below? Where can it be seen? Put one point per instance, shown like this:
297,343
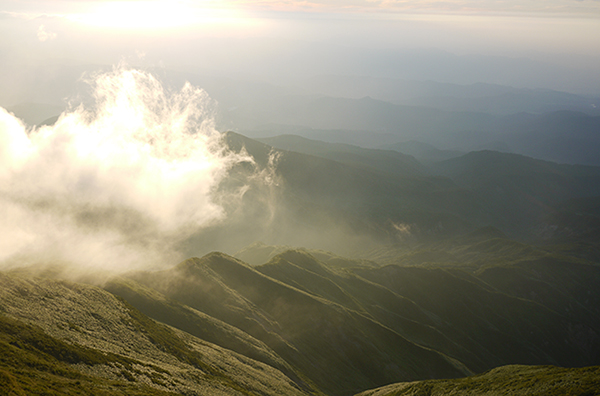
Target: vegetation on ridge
506,380
33,363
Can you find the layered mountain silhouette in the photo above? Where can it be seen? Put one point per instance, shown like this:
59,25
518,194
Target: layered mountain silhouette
390,196
563,136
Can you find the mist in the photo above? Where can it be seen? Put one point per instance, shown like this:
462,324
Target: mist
113,184
135,174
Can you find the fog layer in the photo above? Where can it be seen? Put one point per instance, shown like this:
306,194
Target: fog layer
114,183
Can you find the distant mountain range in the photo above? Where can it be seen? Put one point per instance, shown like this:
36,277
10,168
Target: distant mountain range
369,111
478,97
374,189
561,136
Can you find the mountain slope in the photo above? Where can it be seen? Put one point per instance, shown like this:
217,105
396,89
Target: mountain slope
494,326
482,319
102,338
346,327
506,380
198,324
317,194
387,161
340,350
519,192
394,311
301,325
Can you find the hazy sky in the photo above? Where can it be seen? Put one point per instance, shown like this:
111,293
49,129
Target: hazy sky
70,7
551,25
174,33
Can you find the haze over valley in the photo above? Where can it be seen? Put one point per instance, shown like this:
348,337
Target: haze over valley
299,198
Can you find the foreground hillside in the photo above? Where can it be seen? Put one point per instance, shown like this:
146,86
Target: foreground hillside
339,348
469,305
309,323
507,380
60,337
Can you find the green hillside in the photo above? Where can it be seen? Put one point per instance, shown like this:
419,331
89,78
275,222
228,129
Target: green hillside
465,305
32,362
506,380
345,198
339,349
473,313
61,337
308,322
517,191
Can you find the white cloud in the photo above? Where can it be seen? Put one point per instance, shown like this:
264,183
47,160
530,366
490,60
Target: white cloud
115,184
43,35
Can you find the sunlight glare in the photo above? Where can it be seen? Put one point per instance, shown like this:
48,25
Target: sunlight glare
154,14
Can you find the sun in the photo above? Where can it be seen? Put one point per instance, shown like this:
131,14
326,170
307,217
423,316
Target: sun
152,14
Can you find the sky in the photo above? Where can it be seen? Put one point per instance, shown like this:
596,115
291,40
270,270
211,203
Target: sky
498,27
268,38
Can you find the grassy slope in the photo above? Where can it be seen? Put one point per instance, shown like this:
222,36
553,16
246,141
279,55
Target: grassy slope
198,324
327,329
507,380
377,302
483,315
32,362
317,326
341,350
509,277
561,276
497,327
456,312
564,286
108,340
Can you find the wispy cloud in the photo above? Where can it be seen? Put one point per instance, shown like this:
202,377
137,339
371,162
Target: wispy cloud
44,35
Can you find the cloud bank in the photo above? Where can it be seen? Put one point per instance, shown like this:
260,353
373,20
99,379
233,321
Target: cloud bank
114,184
